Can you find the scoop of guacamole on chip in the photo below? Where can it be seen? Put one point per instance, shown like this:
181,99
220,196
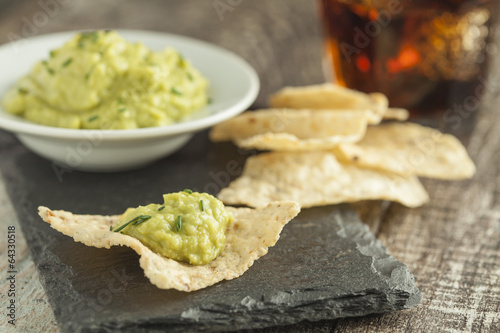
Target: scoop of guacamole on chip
188,226
98,80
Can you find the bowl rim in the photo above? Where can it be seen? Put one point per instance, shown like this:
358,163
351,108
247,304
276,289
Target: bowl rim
17,125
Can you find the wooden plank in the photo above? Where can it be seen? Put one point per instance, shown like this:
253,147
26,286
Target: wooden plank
33,311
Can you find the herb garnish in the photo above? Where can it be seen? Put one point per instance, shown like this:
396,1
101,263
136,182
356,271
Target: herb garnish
88,74
178,224
161,208
90,35
182,61
93,118
202,206
176,92
134,221
67,62
143,219
46,64
110,227
190,76
22,91
84,36
122,109
188,191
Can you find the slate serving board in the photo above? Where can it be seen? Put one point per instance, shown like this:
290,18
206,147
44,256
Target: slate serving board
326,264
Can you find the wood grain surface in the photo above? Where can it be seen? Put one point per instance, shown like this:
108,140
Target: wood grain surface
452,245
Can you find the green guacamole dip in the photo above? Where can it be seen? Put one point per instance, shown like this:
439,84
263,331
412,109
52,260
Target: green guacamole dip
188,227
98,80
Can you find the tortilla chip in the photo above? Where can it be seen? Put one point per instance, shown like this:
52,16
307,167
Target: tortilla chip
409,149
248,238
331,97
292,130
397,114
316,179
288,142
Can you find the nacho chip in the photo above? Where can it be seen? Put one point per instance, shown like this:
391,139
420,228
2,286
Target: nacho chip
397,114
331,97
288,142
316,179
409,149
248,238
292,130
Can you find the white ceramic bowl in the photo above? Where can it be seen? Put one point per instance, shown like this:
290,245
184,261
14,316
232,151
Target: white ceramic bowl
233,87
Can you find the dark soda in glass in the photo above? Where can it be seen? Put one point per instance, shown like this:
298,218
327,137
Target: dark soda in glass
429,57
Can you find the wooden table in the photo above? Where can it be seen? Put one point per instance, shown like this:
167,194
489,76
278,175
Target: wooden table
452,245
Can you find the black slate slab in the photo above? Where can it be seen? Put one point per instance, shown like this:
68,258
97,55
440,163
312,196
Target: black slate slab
326,264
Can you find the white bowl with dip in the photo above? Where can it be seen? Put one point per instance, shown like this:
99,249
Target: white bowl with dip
234,85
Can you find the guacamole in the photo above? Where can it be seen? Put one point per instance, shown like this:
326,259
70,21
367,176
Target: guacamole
188,226
98,80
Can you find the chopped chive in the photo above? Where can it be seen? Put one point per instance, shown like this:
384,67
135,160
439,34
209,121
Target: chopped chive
67,62
123,226
122,109
202,206
140,217
90,35
110,228
176,92
22,91
161,208
84,36
46,64
89,73
188,191
52,53
178,224
93,118
182,61
121,232
144,219
119,100
190,76
135,219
